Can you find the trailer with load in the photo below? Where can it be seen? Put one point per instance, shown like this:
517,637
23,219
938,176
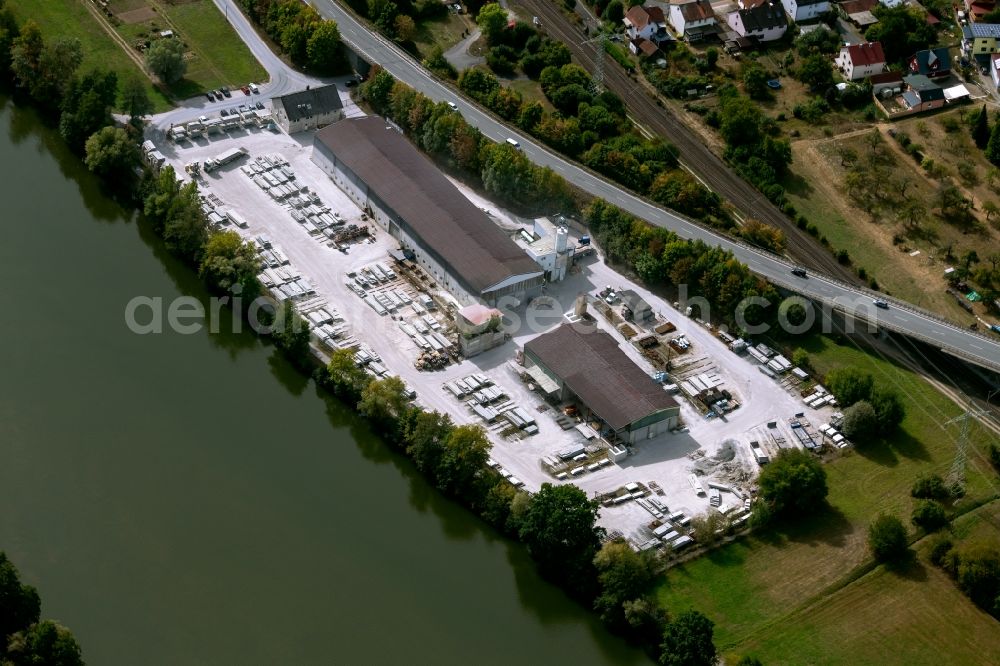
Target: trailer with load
225,158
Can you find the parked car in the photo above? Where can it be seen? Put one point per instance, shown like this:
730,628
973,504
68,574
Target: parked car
253,88
260,105
246,91
225,91
879,303
351,83
210,96
224,113
218,93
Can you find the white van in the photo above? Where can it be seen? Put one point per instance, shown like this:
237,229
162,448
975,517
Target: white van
514,143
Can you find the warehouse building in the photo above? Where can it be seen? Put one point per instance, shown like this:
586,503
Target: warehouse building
452,239
588,366
308,109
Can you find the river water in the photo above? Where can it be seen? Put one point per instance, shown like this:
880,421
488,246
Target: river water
184,499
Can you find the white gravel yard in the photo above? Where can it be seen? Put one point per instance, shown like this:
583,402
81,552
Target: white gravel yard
667,460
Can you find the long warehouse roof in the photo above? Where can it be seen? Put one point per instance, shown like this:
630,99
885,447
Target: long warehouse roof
472,246
595,368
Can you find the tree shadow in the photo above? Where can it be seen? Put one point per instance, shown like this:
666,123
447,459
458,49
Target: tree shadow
910,568
294,380
827,525
798,186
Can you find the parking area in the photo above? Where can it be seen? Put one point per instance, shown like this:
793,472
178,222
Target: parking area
356,296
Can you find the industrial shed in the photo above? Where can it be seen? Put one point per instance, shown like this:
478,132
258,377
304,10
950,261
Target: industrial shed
308,109
589,366
452,239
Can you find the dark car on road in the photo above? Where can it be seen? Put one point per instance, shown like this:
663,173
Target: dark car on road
799,271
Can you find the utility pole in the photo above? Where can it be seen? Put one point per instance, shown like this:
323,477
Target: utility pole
597,82
956,477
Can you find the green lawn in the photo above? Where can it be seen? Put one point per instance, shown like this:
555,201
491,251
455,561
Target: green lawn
70,18
797,594
219,57
445,32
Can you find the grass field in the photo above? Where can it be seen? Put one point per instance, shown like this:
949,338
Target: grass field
798,594
216,55
444,32
70,18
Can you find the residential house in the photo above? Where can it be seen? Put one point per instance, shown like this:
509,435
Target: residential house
891,3
646,23
995,69
805,10
765,22
977,9
859,61
932,63
979,40
309,109
922,94
859,12
643,48
693,19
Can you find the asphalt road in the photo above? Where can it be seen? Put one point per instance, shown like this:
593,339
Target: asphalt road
695,155
283,78
900,316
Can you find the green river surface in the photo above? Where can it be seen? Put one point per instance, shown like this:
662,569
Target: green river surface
190,499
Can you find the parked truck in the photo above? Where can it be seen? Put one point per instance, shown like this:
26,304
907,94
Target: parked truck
225,158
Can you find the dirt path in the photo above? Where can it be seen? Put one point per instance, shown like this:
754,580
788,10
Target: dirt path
108,28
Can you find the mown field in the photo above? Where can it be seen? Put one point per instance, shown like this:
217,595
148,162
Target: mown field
809,593
216,54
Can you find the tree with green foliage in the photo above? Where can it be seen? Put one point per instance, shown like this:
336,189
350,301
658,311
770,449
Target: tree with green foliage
530,115
44,68
378,88
405,28
978,576
438,64
929,515
111,153
755,81
228,261
682,192
860,422
463,457
817,41
687,641
902,31
165,58
887,539
44,643
134,99
763,235
889,409
86,108
478,83
793,483
325,48
992,151
492,21
623,575
816,72
849,385
614,12
929,486
345,377
185,230
981,128
9,30
497,505
19,603
561,533
385,403
291,334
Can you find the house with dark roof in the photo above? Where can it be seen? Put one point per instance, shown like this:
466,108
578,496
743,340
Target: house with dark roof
932,63
860,61
764,22
646,23
805,10
693,20
401,189
886,84
308,109
586,365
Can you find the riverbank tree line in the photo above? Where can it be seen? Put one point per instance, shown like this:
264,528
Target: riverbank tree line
25,639
557,524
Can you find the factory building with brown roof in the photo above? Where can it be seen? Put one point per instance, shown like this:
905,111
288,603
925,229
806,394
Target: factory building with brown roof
405,193
587,365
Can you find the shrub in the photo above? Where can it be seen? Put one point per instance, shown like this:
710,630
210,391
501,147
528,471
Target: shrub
940,548
929,486
887,538
929,515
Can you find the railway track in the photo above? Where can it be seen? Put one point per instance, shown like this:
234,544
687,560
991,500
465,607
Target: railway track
695,155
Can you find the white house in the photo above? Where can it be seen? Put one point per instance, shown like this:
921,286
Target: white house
805,10
995,69
765,22
693,19
308,109
646,23
859,61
